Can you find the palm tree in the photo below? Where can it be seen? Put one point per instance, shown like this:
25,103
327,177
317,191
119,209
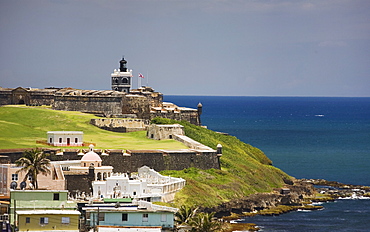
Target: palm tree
33,162
203,222
184,215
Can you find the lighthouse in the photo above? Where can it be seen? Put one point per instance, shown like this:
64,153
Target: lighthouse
122,77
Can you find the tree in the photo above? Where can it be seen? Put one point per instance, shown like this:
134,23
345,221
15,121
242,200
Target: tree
197,222
184,215
33,162
203,222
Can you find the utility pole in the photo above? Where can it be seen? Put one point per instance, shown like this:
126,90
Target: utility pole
14,216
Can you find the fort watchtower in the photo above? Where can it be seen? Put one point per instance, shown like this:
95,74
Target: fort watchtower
121,78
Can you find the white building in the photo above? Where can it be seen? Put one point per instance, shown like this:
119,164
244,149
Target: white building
65,138
147,185
87,160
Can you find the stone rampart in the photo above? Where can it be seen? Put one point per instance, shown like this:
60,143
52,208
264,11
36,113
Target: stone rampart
144,103
27,96
89,102
161,160
120,124
159,132
189,115
136,104
192,144
131,160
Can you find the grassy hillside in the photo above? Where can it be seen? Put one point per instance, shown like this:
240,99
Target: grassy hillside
244,170
21,126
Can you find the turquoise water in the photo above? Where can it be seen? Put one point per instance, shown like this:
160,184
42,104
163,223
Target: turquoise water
307,137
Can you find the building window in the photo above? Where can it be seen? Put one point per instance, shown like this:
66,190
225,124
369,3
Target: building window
14,177
124,217
145,217
60,140
125,81
101,217
56,197
65,220
44,220
163,217
51,140
76,140
28,219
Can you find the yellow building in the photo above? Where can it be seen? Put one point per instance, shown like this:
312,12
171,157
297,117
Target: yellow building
48,220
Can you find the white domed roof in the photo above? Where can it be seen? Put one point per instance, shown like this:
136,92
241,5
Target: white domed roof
91,155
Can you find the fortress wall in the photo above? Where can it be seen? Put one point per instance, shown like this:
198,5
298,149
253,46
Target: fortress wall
189,116
98,104
120,162
119,124
156,99
157,159
38,98
5,97
136,104
79,183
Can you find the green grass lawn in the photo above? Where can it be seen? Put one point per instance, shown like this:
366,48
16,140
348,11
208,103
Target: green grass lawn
21,126
244,168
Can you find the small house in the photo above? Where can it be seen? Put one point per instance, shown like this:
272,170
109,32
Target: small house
65,138
48,220
24,201
135,216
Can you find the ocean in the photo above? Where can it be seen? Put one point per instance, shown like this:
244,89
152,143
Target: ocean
306,137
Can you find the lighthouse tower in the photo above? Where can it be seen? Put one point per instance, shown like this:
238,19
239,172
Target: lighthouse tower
121,78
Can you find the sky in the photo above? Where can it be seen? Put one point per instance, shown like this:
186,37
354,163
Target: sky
190,47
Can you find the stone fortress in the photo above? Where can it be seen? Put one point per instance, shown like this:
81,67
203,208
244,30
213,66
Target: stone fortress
122,110
120,102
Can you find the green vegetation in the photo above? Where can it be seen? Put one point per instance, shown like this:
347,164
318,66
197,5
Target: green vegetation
21,126
198,222
33,163
244,170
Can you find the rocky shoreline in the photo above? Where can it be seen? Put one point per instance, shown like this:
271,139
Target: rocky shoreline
297,195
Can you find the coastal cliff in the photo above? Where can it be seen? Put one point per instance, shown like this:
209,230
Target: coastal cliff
245,170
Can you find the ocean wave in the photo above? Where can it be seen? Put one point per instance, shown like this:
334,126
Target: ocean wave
354,198
317,203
